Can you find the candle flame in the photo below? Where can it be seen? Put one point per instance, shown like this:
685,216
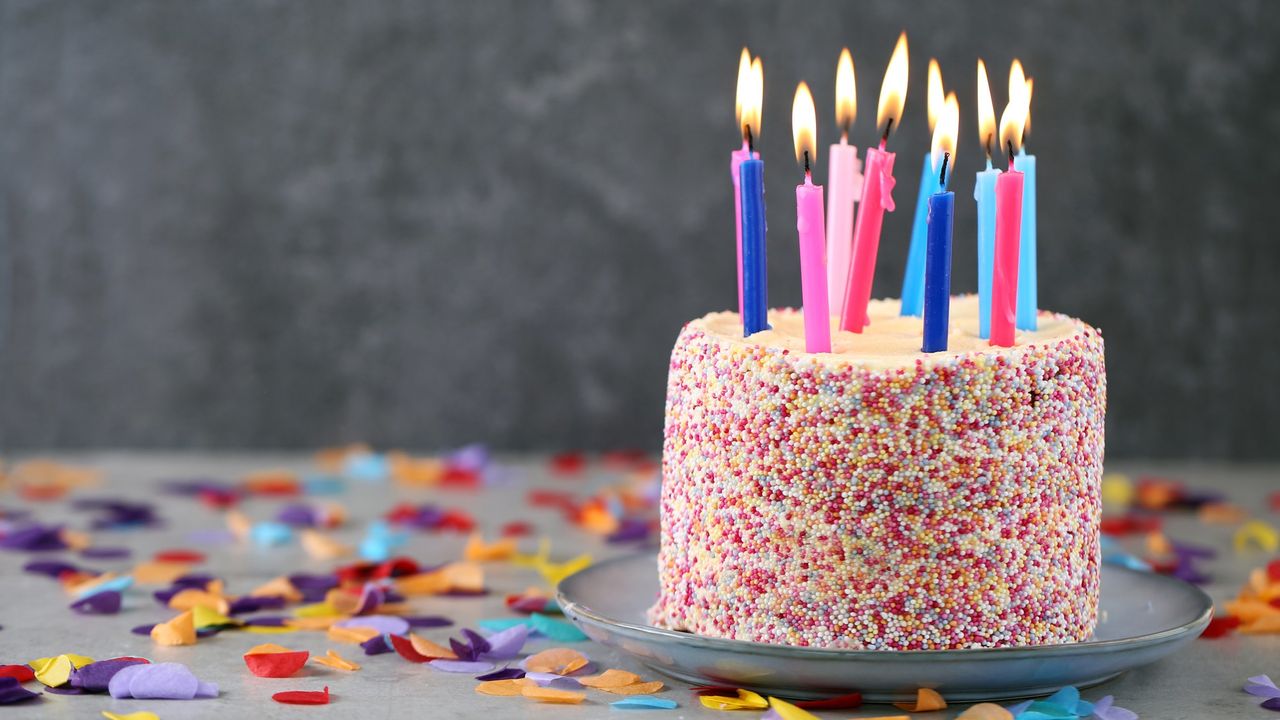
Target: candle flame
935,98
744,83
946,132
846,93
1026,127
755,98
1012,121
986,111
893,91
1017,81
804,124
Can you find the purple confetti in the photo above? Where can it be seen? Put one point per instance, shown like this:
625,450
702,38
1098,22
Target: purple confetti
429,621
250,603
384,624
268,621
508,643
106,602
34,538
1272,704
51,568
629,530
11,691
142,629
96,676
106,553
508,673
376,645
470,667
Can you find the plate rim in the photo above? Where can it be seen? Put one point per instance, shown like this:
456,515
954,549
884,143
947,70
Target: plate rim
573,609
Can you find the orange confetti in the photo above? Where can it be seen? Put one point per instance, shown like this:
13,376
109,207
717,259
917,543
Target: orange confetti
610,678
595,517
1264,625
646,688
333,459
1222,513
425,647
75,540
415,472
190,598
239,524
1250,610
560,661
502,688
352,635
322,547
279,587
334,660
551,695
181,630
479,551
322,622
926,701
79,583
159,573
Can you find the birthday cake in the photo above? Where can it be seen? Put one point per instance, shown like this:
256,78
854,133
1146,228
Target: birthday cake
877,497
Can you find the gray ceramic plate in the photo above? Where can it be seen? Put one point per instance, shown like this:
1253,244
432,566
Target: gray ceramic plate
1143,617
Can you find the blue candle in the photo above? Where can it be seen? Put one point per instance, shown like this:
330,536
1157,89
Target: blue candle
1026,319
913,279
755,277
937,278
984,191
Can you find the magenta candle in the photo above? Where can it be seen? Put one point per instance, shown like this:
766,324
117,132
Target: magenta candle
877,194
811,228
844,183
1004,275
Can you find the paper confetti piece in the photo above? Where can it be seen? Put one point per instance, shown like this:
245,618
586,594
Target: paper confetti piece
96,676
507,644
161,681
558,630
1104,709
279,587
272,661
507,673
22,673
560,661
159,573
303,697
336,661
839,702
927,700
477,550
181,630
106,602
352,635
1220,627
1264,625
380,623
470,667
644,688
11,691
56,671
322,547
1261,686
140,715
1117,490
502,688
644,702
610,678
787,711
746,700
1256,533
551,695
985,711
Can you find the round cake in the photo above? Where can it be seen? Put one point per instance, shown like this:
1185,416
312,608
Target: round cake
877,497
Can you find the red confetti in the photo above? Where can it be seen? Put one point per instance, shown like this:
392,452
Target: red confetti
625,458
219,499
406,650
840,702
1131,524
458,477
396,567
1220,626
1273,570
274,488
24,673
41,492
277,664
303,697
179,556
403,512
569,463
456,520
1274,501
355,573
517,529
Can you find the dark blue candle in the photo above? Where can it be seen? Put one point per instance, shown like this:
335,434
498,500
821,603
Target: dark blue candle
755,277
937,262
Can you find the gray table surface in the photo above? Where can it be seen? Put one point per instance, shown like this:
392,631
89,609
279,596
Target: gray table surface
1202,681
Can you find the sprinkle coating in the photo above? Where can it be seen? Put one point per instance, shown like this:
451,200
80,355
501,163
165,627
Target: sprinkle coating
947,502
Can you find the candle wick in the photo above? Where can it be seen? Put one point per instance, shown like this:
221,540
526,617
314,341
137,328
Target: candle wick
885,137
1009,143
746,135
942,177
844,135
806,162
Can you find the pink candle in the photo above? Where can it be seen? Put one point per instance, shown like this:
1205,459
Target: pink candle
844,183
812,229
877,194
1004,275
735,159
877,197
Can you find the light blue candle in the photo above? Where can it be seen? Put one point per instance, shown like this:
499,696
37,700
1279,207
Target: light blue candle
1026,319
984,191
913,279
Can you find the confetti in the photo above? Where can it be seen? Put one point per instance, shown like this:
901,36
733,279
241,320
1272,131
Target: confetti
352,635
477,550
986,711
56,671
106,602
159,681
22,673
1256,533
322,547
1104,709
336,661
610,678
558,630
190,557
927,700
502,688
471,667
11,691
274,661
140,715
644,702
159,573
1220,627
96,676
561,661
303,697
507,673
786,711
181,630
746,700
839,702
270,534
644,688
551,695
507,644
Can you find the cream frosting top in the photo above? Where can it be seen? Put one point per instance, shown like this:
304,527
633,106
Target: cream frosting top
890,340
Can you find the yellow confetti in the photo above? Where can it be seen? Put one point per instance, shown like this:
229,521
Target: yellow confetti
1117,490
985,711
267,649
1257,533
746,700
181,630
787,711
56,671
75,540
320,609
551,695
203,617
334,660
927,700
239,524
140,715
424,646
269,629
1250,610
312,623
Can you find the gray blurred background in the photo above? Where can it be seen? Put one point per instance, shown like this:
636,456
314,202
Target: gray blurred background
286,224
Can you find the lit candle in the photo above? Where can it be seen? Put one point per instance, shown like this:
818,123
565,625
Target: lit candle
737,156
755,277
844,183
1027,255
913,278
942,205
809,224
877,195
1004,276
984,191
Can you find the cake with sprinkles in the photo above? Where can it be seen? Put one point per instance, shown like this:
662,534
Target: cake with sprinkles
877,497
